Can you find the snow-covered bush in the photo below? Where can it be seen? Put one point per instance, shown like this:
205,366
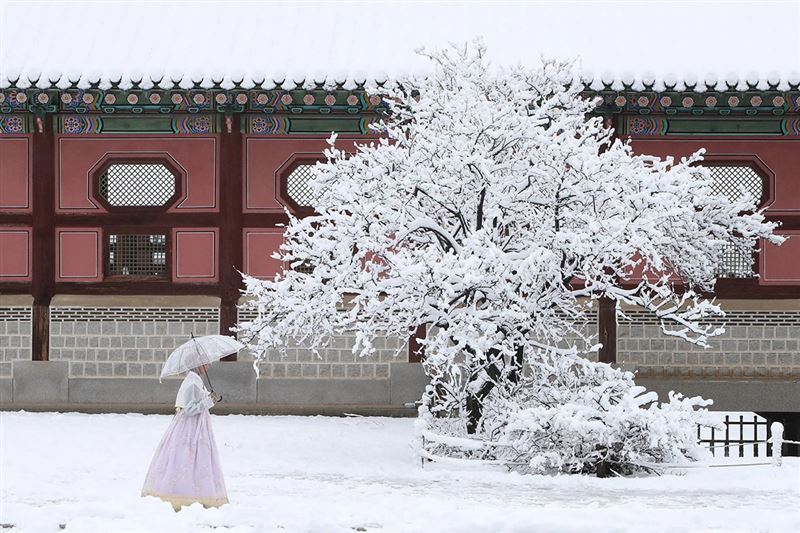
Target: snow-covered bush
496,210
575,416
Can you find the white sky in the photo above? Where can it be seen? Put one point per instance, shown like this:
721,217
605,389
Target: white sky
663,38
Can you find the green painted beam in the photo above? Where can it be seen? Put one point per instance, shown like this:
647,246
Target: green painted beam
138,124
325,125
728,126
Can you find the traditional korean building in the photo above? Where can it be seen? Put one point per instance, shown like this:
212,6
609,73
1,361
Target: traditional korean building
129,203
126,217
127,213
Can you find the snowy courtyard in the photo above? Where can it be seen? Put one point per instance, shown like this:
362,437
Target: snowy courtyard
546,244
83,473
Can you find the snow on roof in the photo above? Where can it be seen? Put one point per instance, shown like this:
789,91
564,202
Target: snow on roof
293,44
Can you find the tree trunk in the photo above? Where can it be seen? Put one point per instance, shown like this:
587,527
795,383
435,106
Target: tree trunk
516,365
475,400
602,469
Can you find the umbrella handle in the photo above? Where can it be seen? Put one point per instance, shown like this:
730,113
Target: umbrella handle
208,376
210,386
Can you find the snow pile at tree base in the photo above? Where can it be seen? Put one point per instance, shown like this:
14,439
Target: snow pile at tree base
572,416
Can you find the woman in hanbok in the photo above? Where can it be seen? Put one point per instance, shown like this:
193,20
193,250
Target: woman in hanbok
185,468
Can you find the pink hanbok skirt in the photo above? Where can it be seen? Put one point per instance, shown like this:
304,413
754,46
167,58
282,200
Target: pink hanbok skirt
185,468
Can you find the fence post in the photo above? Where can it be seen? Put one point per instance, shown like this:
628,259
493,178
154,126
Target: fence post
755,437
777,442
713,448
726,451
741,436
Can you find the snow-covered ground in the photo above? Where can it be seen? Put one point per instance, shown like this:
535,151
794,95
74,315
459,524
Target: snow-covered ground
83,473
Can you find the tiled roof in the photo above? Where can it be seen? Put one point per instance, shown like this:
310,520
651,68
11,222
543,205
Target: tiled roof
289,45
343,82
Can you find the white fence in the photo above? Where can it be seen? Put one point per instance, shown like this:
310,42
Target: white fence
746,435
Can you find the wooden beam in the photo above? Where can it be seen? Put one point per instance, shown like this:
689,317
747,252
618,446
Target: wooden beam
607,330
44,249
230,224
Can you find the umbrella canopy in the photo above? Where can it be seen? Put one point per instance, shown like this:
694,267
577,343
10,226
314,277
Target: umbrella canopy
199,351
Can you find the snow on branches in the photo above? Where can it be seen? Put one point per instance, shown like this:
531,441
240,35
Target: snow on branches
495,210
575,416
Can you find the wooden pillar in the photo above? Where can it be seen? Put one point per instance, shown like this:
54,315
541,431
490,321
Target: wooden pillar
415,350
607,312
44,245
230,223
607,330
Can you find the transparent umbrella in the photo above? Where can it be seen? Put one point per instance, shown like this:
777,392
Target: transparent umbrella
199,351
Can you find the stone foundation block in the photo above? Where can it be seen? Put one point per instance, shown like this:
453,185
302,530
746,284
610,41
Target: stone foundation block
407,382
6,389
123,390
733,395
234,380
40,381
323,391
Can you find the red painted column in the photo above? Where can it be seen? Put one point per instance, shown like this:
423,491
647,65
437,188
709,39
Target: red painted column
231,248
43,267
607,330
607,309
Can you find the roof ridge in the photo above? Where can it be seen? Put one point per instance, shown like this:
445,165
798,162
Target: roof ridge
232,82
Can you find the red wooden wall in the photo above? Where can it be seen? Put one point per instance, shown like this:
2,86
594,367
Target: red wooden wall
15,185
194,221
15,199
265,160
195,224
779,160
79,158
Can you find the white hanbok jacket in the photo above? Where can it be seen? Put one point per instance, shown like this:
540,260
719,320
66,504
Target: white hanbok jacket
193,397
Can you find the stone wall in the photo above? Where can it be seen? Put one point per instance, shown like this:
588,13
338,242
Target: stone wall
132,336
15,336
123,341
338,360
334,361
757,343
591,330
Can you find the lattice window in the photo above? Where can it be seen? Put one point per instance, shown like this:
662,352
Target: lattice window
298,188
305,267
137,184
735,263
137,255
731,180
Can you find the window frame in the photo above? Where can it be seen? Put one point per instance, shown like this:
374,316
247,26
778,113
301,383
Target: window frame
743,160
177,173
282,177
166,276
755,163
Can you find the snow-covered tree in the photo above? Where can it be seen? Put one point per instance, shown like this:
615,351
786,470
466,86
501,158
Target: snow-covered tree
496,210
